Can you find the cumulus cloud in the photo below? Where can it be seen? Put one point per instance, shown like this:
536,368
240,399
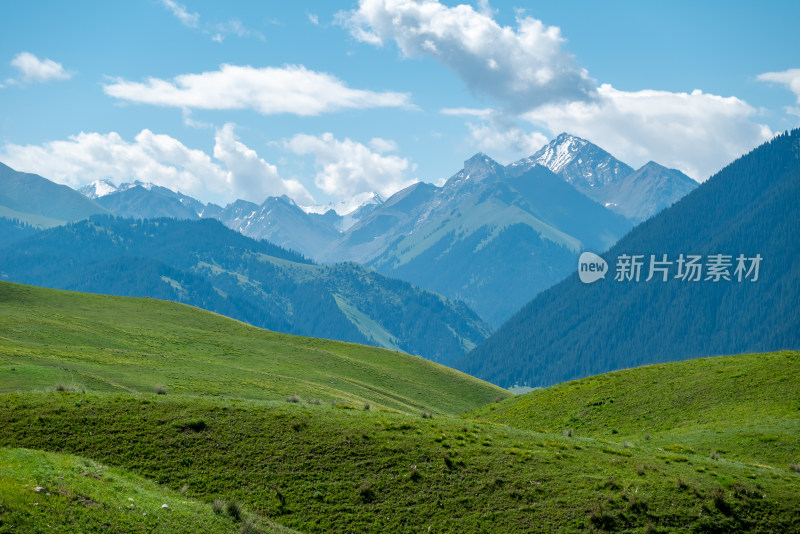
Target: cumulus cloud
505,144
250,173
34,69
498,134
237,172
346,168
697,133
521,67
270,90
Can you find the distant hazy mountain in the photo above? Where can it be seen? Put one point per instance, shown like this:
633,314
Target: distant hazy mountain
307,230
346,212
280,221
38,201
148,201
749,208
610,182
205,264
488,239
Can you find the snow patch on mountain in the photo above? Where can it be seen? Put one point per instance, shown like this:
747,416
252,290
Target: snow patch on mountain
97,189
346,207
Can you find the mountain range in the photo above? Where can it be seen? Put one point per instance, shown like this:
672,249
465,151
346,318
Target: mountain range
492,236
748,209
207,265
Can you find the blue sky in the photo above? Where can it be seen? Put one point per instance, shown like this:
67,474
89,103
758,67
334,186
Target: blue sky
325,100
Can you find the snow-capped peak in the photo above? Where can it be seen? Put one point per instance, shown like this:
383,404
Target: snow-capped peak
98,188
346,207
560,152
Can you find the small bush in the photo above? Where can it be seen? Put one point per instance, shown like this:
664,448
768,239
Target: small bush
568,432
614,431
718,496
714,455
497,399
641,470
601,518
794,467
448,462
637,505
427,415
414,474
294,398
160,390
682,484
366,406
195,425
315,401
647,437
73,389
366,492
218,506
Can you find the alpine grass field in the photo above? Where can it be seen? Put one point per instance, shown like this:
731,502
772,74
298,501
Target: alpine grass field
102,343
238,429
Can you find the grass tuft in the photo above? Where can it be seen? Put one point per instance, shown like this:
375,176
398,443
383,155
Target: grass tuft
234,509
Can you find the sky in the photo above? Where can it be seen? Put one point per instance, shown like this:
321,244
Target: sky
324,100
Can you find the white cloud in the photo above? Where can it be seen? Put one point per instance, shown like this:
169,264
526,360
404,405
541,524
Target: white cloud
182,14
217,31
314,19
250,173
522,67
790,78
270,90
697,133
498,134
346,168
505,144
484,113
34,69
382,146
160,159
232,27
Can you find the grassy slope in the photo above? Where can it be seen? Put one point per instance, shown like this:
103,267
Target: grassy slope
110,344
323,469
744,407
47,492
320,468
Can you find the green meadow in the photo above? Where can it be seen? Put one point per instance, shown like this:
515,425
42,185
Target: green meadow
236,429
113,344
